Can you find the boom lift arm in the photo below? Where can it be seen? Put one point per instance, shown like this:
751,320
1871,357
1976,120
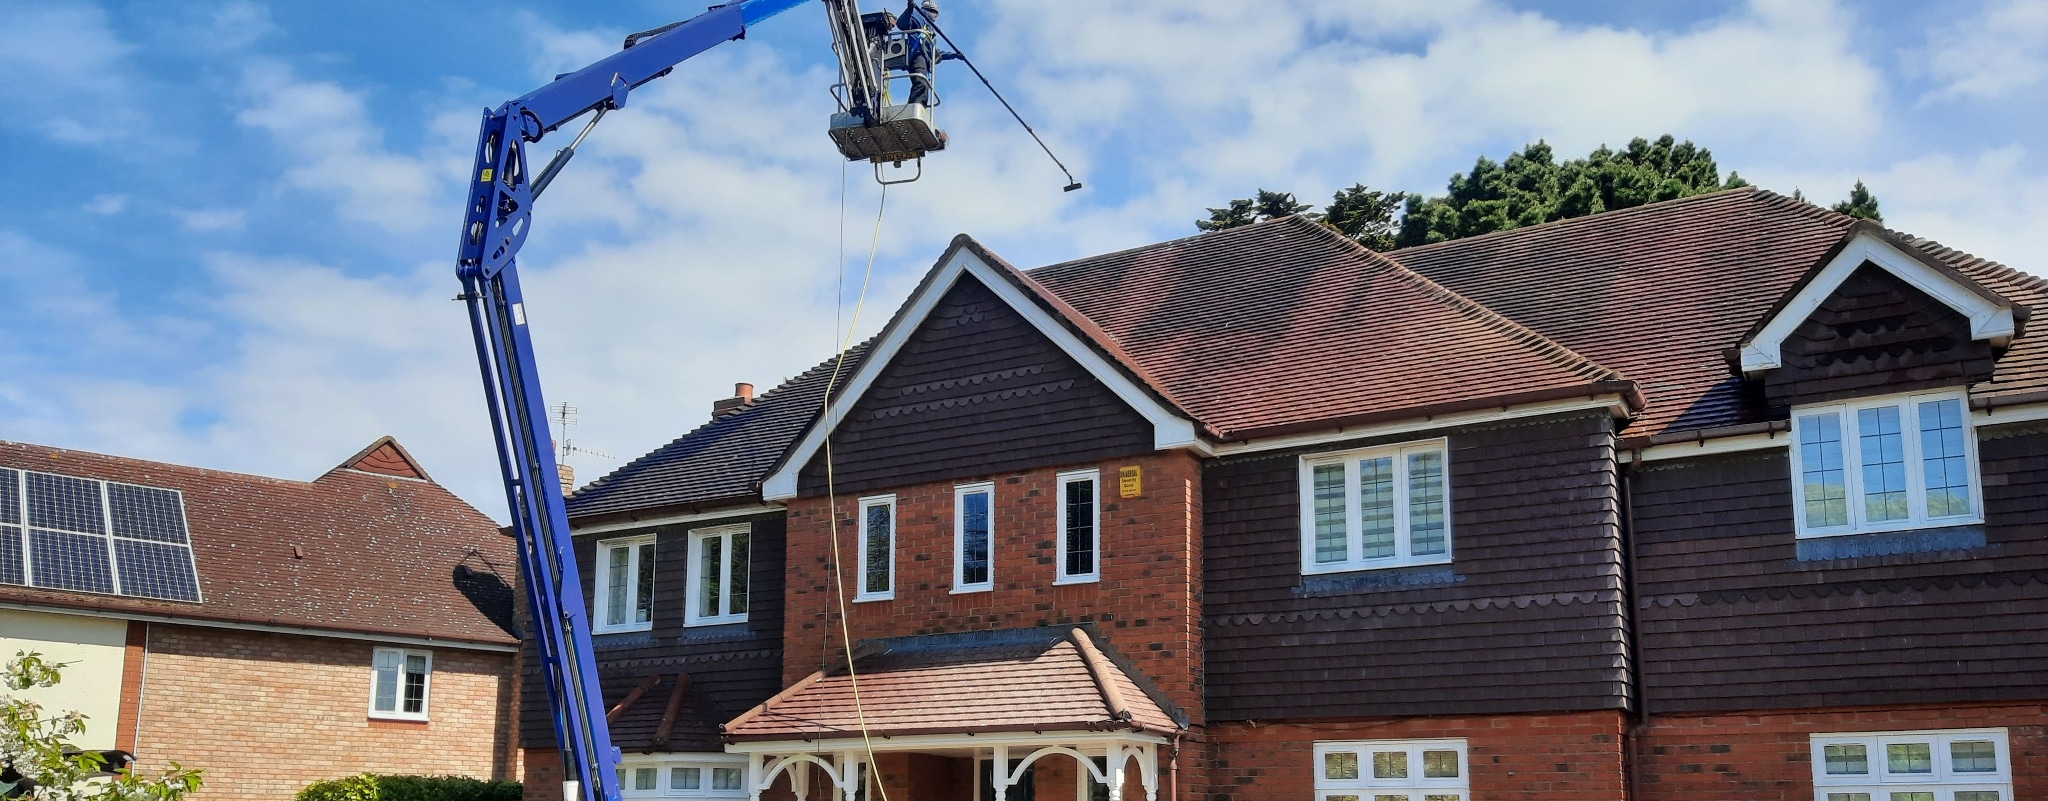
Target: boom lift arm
495,224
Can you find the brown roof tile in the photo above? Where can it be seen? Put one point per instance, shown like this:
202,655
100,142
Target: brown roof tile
1034,679
352,551
1285,325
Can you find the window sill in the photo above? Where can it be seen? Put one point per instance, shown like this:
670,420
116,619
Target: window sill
1341,569
385,717
970,590
1066,580
704,622
623,629
1896,528
862,599
1966,537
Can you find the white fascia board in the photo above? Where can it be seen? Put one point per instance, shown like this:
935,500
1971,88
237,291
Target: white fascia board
1169,430
1987,320
2010,414
917,742
1687,450
665,520
1612,403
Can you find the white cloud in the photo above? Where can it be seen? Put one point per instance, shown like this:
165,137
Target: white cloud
106,204
1989,54
338,152
211,219
64,73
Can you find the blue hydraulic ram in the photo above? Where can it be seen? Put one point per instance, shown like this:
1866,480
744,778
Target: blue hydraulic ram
495,224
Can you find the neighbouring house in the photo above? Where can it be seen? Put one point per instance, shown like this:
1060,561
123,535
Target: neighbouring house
269,632
1727,497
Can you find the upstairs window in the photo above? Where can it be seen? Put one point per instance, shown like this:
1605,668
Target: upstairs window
1392,770
398,683
877,548
1941,765
1884,465
719,561
625,585
973,537
1080,519
1376,507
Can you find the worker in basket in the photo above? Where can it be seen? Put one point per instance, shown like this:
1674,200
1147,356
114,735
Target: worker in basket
916,21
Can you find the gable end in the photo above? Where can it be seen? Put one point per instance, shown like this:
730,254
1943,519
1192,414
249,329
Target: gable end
1876,334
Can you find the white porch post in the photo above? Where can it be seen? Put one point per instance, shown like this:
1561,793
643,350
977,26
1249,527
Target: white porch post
1115,762
1000,772
849,772
1148,771
754,776
800,780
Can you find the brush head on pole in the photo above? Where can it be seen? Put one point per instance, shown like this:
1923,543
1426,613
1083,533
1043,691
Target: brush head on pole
1071,187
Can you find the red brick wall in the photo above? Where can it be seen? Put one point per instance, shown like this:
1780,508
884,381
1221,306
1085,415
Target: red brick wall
266,714
1765,756
1148,602
1572,757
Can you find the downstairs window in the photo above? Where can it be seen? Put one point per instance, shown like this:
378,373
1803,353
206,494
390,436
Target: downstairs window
1941,765
1392,770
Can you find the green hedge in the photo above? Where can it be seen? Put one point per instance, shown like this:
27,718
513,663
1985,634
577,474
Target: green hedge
367,787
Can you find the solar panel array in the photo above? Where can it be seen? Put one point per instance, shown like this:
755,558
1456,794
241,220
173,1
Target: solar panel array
85,535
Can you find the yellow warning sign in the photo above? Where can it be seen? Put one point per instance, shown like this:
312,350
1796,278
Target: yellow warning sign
1130,481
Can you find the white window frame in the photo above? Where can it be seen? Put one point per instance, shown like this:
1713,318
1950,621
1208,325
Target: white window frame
398,700
1061,576
1415,785
694,613
602,602
861,556
1944,782
663,766
1916,470
960,493
1403,546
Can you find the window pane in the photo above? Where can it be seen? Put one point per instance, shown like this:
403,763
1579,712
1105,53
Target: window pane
710,589
1426,504
415,683
1943,457
1376,507
1340,765
1440,764
617,568
1328,480
1390,764
1080,527
1340,798
1977,756
1441,797
1824,486
1976,795
879,556
1909,757
1389,797
1884,463
385,698
974,538
643,596
1912,796
1847,760
685,778
742,564
727,779
1848,797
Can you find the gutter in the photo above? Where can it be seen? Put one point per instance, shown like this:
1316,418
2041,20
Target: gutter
1630,396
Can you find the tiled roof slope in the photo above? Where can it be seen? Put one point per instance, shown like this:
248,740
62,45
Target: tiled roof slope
1015,680
1660,292
351,551
1286,326
722,461
2023,370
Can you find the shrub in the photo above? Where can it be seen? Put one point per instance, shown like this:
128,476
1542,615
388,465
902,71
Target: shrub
368,787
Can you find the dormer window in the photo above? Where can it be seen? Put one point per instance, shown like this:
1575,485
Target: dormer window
1884,464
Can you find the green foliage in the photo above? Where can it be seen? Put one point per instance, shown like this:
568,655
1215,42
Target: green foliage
1861,204
368,787
40,748
1245,211
1364,215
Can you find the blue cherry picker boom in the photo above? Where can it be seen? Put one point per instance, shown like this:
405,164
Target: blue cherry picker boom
503,187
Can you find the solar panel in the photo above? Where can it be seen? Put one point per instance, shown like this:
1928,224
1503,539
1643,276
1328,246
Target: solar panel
63,502
10,497
10,555
156,570
146,513
67,561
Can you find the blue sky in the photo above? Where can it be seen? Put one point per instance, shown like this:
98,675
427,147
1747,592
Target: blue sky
226,227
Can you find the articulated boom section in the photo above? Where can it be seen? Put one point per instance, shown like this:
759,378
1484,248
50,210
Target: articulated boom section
495,224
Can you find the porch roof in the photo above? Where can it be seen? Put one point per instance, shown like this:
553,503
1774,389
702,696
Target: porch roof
1047,679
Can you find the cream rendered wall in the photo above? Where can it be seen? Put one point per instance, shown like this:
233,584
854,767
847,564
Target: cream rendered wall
94,647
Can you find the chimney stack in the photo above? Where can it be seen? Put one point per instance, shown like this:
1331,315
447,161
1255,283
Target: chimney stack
568,477
742,397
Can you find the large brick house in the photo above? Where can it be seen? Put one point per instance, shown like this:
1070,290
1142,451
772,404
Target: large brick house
1728,497
269,632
